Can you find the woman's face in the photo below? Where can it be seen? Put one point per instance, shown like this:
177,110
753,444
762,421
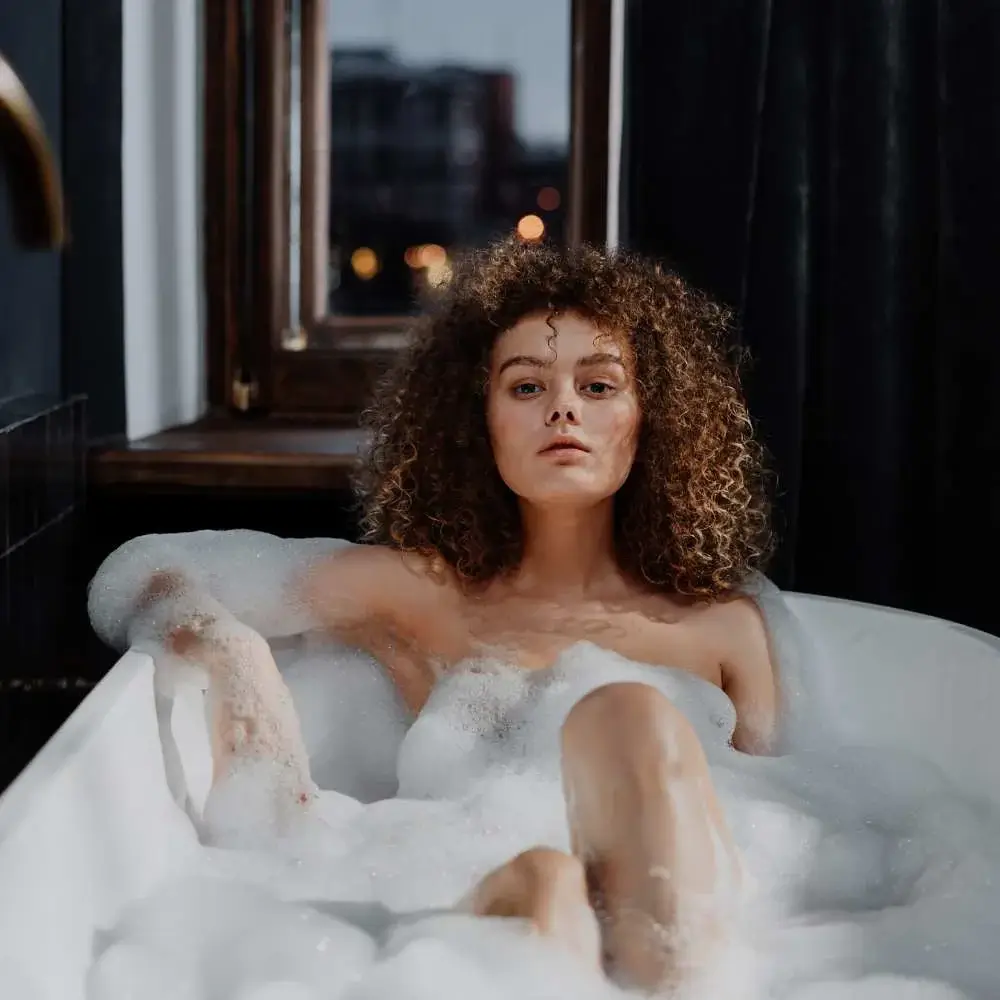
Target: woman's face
562,410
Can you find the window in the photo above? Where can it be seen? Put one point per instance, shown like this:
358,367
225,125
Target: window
354,146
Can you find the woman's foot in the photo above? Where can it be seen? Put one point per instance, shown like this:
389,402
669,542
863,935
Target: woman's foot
548,888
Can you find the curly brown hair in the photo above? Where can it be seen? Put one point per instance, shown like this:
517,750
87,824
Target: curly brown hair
691,519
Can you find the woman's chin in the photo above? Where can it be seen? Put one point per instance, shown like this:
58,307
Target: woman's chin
565,491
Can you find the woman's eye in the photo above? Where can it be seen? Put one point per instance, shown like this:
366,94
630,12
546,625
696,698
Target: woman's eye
599,388
526,389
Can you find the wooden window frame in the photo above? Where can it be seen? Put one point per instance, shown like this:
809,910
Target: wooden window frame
246,78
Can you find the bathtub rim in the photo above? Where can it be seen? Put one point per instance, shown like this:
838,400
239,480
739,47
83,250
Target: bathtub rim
795,597
38,776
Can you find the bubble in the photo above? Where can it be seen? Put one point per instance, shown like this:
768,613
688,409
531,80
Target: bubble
130,971
880,988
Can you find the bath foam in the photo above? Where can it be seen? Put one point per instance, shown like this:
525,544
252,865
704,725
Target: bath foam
874,876
250,572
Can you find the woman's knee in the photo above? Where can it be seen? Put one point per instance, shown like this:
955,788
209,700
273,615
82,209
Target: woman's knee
528,881
628,715
551,868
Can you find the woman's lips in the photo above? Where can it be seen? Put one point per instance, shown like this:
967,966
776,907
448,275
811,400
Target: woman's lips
562,447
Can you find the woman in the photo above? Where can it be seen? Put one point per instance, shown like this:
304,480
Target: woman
562,455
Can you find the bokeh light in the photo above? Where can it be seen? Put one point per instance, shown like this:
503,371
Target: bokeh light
549,199
432,255
530,227
365,263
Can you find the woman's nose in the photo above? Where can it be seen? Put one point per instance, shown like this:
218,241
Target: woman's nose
563,413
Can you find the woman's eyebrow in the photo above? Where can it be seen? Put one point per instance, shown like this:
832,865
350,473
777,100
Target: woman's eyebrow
523,359
600,359
530,361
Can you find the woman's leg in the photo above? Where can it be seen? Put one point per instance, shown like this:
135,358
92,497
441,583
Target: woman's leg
548,888
646,823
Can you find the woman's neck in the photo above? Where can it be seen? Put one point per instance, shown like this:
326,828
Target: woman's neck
568,551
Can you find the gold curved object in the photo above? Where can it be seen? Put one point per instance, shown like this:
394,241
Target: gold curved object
36,191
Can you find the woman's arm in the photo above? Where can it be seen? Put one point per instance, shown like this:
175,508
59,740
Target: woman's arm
378,599
251,714
749,676
210,598
213,598
255,577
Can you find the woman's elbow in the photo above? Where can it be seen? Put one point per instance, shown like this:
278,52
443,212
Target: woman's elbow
134,578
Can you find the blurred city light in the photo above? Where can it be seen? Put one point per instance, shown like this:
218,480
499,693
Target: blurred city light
431,255
365,263
549,199
530,227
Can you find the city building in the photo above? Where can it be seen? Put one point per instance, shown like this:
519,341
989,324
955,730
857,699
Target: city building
421,155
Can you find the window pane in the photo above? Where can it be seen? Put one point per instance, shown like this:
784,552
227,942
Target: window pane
449,125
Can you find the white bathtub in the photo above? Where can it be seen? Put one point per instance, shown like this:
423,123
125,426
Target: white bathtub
93,822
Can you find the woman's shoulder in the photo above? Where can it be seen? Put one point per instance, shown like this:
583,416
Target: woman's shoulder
386,574
737,609
736,620
390,560
727,623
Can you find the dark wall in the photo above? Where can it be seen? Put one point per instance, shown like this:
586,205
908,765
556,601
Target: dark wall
30,299
61,337
42,611
61,315
92,289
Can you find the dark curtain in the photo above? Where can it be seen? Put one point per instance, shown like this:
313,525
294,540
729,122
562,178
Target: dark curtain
831,171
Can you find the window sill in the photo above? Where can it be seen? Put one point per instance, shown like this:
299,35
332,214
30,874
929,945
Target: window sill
226,452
